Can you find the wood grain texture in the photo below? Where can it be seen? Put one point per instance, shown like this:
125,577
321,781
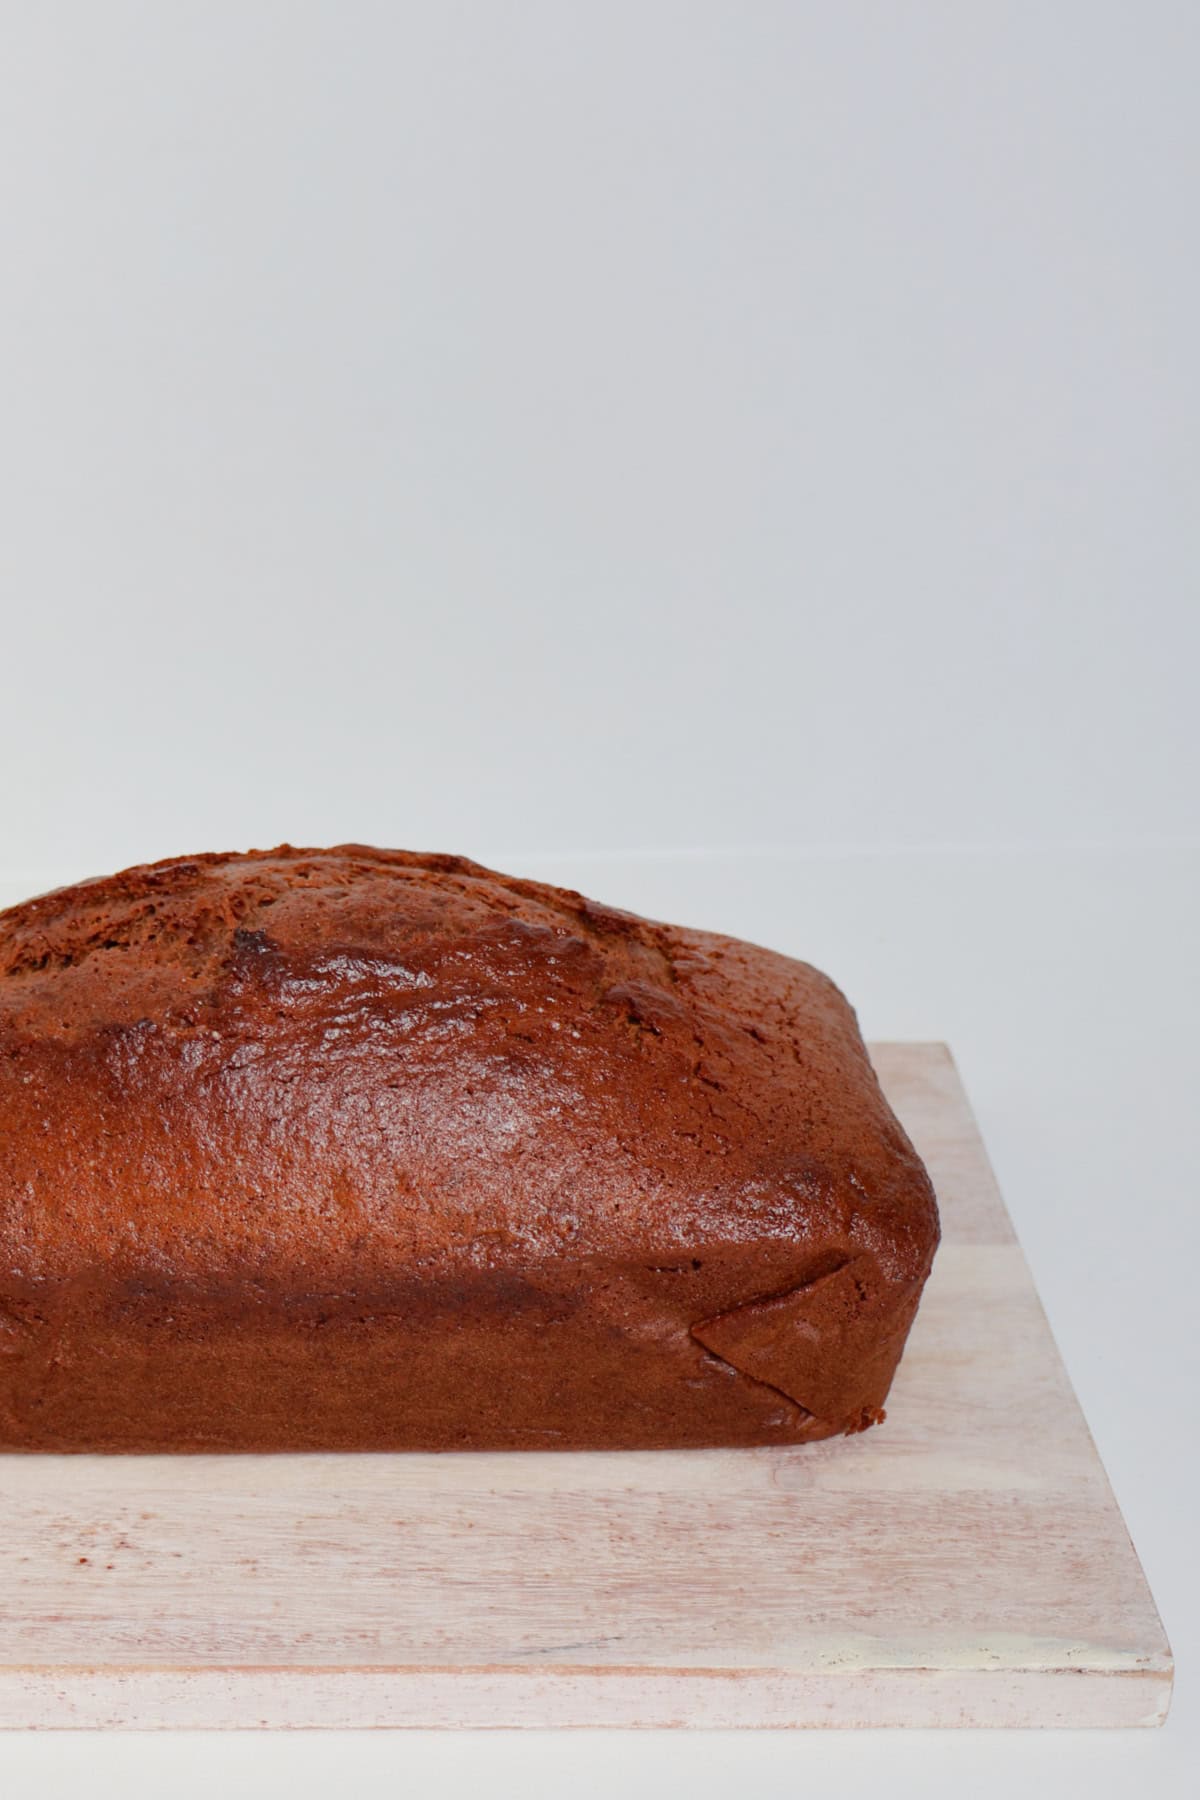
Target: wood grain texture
963,1564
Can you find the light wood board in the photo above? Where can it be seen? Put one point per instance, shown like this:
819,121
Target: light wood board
963,1564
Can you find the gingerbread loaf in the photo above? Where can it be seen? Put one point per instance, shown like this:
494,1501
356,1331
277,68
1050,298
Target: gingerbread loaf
364,1150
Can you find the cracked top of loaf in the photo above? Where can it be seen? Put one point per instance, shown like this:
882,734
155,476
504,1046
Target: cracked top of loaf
291,1060
362,1148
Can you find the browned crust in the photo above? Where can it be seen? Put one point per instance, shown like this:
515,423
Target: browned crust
361,1148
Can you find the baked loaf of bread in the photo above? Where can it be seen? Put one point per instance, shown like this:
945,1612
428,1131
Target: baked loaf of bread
359,1149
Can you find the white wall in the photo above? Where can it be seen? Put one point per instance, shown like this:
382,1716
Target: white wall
543,427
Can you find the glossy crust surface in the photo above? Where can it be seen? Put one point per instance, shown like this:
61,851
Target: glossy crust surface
364,1149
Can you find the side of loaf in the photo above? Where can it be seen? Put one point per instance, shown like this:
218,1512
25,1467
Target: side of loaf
363,1149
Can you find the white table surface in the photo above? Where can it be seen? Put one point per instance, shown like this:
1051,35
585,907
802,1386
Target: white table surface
1067,984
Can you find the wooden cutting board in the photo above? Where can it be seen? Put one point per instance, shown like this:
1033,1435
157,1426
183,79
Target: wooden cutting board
963,1564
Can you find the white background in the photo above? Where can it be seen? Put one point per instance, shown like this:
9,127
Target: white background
739,459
